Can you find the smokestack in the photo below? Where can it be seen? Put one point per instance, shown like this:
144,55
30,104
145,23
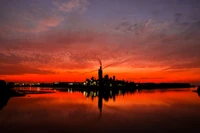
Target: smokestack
100,63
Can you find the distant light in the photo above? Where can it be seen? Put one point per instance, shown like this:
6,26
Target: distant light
91,93
110,85
70,83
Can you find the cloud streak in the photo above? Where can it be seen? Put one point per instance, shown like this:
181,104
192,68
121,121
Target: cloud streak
21,70
137,28
40,25
72,5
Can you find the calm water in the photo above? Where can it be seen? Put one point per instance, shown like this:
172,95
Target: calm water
145,111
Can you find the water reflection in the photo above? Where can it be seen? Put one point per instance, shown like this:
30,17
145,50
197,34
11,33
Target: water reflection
101,94
35,90
137,111
7,93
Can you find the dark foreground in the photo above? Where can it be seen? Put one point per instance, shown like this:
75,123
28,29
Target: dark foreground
155,111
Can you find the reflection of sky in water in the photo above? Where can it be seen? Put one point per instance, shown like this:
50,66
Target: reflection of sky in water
63,111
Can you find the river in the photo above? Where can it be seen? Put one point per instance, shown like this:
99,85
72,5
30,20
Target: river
174,110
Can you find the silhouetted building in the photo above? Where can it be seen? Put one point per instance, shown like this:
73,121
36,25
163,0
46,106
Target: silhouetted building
100,75
113,78
106,77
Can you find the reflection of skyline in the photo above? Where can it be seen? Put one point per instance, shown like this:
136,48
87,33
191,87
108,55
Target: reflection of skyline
100,103
114,95
72,112
104,96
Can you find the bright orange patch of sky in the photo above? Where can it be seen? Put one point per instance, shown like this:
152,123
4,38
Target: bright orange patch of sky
139,75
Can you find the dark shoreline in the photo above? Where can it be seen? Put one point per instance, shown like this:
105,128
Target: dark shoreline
141,86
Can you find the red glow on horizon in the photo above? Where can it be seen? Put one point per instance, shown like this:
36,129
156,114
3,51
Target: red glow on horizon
136,76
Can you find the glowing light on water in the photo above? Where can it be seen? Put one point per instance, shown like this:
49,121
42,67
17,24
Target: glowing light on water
91,93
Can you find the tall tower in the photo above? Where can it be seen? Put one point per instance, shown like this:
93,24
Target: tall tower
100,74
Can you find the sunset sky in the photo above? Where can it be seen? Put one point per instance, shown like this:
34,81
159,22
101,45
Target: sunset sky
62,40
